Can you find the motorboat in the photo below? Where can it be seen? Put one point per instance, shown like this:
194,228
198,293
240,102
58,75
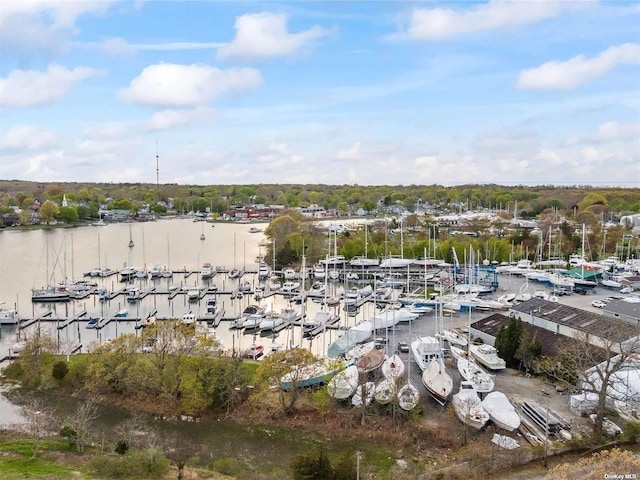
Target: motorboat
273,320
501,412
252,321
382,293
148,321
390,317
207,270
468,406
424,349
236,273
362,330
133,293
189,318
344,384
127,273
254,352
360,261
487,356
290,287
396,262
8,316
317,289
454,338
320,319
263,270
472,372
93,322
458,353
155,272
437,381
319,272
193,293
289,274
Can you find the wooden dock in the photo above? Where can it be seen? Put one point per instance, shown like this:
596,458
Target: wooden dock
27,323
71,320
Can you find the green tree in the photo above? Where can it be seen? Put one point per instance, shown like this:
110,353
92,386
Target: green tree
68,214
346,468
369,206
508,340
48,211
311,467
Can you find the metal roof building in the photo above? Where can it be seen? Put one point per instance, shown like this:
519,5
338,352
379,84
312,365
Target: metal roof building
573,322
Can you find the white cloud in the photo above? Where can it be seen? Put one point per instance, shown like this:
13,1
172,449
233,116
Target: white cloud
280,156
26,88
26,137
591,155
178,118
578,70
549,156
443,23
261,35
28,26
120,46
351,153
429,162
187,85
607,132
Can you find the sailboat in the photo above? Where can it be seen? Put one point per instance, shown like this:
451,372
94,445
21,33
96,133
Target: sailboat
166,271
53,292
131,244
202,237
364,260
408,395
435,377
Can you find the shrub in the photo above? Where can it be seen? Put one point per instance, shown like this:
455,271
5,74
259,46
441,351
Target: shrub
122,447
59,370
69,433
227,466
138,464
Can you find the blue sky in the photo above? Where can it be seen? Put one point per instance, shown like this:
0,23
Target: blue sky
341,92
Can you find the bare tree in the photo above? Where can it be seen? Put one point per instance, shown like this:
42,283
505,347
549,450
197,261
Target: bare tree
38,423
133,431
599,362
80,423
293,366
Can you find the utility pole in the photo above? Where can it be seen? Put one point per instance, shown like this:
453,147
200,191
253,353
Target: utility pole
157,174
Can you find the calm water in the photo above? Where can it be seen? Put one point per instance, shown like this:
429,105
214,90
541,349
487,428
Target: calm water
29,258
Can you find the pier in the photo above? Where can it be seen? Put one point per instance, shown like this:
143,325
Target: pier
71,320
27,323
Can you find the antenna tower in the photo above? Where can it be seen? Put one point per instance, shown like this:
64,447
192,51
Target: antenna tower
157,174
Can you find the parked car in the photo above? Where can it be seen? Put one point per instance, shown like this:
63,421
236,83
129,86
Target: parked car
380,342
626,290
403,347
598,304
